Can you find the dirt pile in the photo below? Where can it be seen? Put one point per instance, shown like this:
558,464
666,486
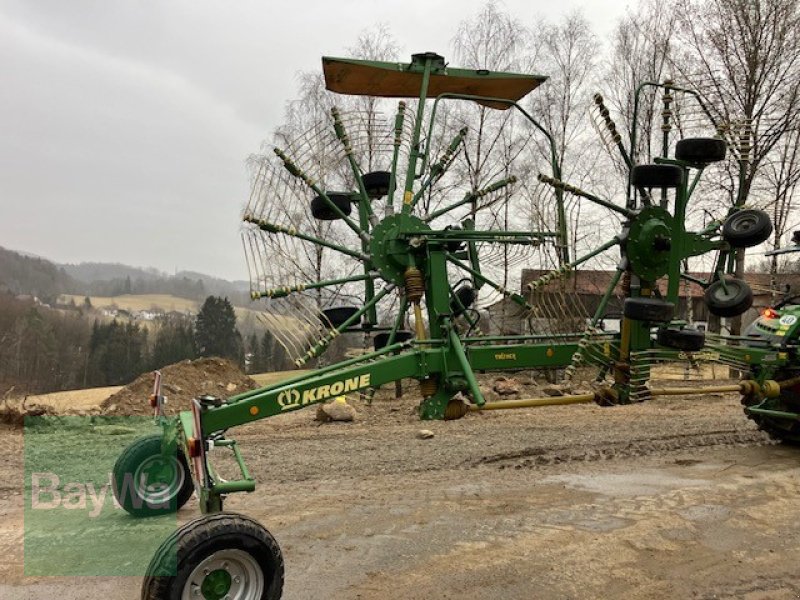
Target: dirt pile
180,383
14,412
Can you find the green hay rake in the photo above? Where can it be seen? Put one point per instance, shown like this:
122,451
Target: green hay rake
338,243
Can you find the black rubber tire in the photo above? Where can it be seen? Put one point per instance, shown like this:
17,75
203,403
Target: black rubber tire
123,474
732,303
701,151
455,245
338,315
747,228
648,309
321,211
189,545
376,183
656,176
688,340
464,297
380,339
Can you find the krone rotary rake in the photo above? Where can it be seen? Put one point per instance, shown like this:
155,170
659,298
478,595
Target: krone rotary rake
363,227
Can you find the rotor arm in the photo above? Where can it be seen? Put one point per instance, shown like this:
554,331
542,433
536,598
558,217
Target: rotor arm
561,185
295,171
472,196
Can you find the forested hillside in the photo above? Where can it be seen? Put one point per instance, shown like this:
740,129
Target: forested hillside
22,274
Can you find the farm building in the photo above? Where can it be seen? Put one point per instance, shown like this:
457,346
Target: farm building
564,306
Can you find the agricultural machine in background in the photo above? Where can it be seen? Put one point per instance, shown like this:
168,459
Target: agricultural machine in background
411,263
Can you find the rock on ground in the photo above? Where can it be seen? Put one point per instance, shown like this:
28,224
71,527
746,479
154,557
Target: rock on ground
506,386
335,411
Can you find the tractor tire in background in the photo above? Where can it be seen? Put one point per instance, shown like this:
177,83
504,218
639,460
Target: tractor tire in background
782,430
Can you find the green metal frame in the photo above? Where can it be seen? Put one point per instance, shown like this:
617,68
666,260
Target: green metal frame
399,246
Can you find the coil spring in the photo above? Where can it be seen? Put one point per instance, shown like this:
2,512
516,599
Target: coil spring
415,286
455,409
428,386
626,284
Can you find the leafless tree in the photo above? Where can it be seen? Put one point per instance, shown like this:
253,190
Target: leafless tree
782,175
640,52
743,57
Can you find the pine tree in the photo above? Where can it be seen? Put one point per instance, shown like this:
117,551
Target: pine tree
215,330
255,362
174,343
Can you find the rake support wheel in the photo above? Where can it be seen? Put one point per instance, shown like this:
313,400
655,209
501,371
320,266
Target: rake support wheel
747,228
648,309
729,298
656,176
701,151
322,211
225,555
688,340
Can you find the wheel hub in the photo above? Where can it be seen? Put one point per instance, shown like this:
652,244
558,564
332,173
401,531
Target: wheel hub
225,575
391,248
216,585
158,479
648,246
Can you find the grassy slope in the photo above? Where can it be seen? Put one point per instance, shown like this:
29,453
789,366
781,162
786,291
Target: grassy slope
165,302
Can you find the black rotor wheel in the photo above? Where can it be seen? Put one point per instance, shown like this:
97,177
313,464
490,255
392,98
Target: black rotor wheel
688,340
648,309
376,183
337,316
656,176
701,151
322,211
382,339
729,298
747,228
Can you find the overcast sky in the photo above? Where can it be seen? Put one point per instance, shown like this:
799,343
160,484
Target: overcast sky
124,125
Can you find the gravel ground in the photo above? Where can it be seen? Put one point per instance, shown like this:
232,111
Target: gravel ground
674,498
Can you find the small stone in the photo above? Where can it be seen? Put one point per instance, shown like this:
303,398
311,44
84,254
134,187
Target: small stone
489,394
231,387
424,434
553,390
506,386
111,408
321,415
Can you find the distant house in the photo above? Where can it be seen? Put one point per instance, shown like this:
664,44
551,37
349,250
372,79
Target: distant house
148,315
563,305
